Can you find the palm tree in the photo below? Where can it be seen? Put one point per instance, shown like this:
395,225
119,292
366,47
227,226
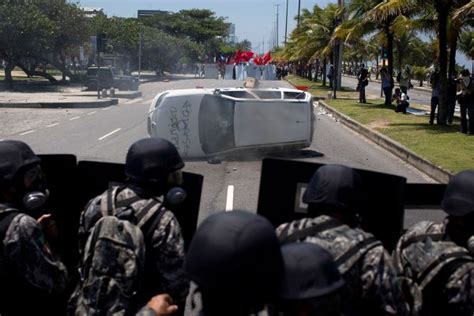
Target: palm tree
466,45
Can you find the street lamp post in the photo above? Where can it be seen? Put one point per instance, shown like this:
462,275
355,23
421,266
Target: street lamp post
299,10
286,23
277,16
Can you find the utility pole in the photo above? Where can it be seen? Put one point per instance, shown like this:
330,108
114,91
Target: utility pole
299,11
286,23
139,54
277,41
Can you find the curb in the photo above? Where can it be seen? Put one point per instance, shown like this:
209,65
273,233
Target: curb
57,105
439,174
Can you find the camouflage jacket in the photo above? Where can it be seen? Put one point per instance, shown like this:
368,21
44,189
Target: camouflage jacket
25,248
421,255
167,244
367,268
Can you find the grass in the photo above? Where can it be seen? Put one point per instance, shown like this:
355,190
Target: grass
445,146
317,89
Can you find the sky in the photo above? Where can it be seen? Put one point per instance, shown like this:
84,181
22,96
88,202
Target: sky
254,20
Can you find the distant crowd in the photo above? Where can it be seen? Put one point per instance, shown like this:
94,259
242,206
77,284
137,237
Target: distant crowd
133,260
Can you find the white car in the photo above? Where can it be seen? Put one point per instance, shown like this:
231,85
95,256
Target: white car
205,123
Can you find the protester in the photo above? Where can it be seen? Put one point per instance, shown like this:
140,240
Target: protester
363,81
402,101
333,201
235,261
466,102
435,86
32,276
387,85
135,215
312,283
434,257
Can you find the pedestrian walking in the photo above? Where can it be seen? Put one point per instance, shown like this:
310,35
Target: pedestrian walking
466,102
363,81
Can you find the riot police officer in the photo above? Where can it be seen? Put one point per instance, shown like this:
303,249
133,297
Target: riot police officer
29,269
235,261
437,258
311,284
333,200
153,169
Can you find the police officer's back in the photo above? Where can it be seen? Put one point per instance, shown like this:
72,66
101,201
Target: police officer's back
235,261
332,196
153,168
435,259
29,270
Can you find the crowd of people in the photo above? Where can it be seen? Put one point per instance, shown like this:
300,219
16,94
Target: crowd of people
133,260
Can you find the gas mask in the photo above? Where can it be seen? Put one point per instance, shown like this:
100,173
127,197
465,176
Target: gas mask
174,193
31,191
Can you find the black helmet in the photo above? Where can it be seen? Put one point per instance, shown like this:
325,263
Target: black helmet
334,187
309,272
236,253
15,156
152,160
459,195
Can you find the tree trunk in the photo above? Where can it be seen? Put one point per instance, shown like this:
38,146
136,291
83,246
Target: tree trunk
443,63
453,47
324,71
10,65
33,72
389,50
316,73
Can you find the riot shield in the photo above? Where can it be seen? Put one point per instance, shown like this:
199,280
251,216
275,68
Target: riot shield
97,176
283,183
72,184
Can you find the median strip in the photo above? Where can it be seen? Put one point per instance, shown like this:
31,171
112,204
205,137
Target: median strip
107,135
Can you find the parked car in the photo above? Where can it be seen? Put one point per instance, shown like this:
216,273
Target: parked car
108,78
205,123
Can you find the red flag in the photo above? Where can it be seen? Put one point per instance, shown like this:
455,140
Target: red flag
258,60
238,57
247,56
267,58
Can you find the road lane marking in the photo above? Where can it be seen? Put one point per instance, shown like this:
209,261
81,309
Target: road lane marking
28,132
134,101
51,125
74,118
107,135
105,109
229,205
93,112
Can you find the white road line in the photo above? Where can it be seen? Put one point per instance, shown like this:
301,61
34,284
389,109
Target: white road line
74,118
28,132
105,109
107,135
51,125
134,101
229,205
93,112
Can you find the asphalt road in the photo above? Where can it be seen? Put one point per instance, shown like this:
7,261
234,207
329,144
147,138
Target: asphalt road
106,133
374,88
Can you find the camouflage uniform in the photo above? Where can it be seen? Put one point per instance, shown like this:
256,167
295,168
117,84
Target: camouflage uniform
167,245
366,267
422,253
29,267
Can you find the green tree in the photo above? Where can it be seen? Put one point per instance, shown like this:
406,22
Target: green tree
24,32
